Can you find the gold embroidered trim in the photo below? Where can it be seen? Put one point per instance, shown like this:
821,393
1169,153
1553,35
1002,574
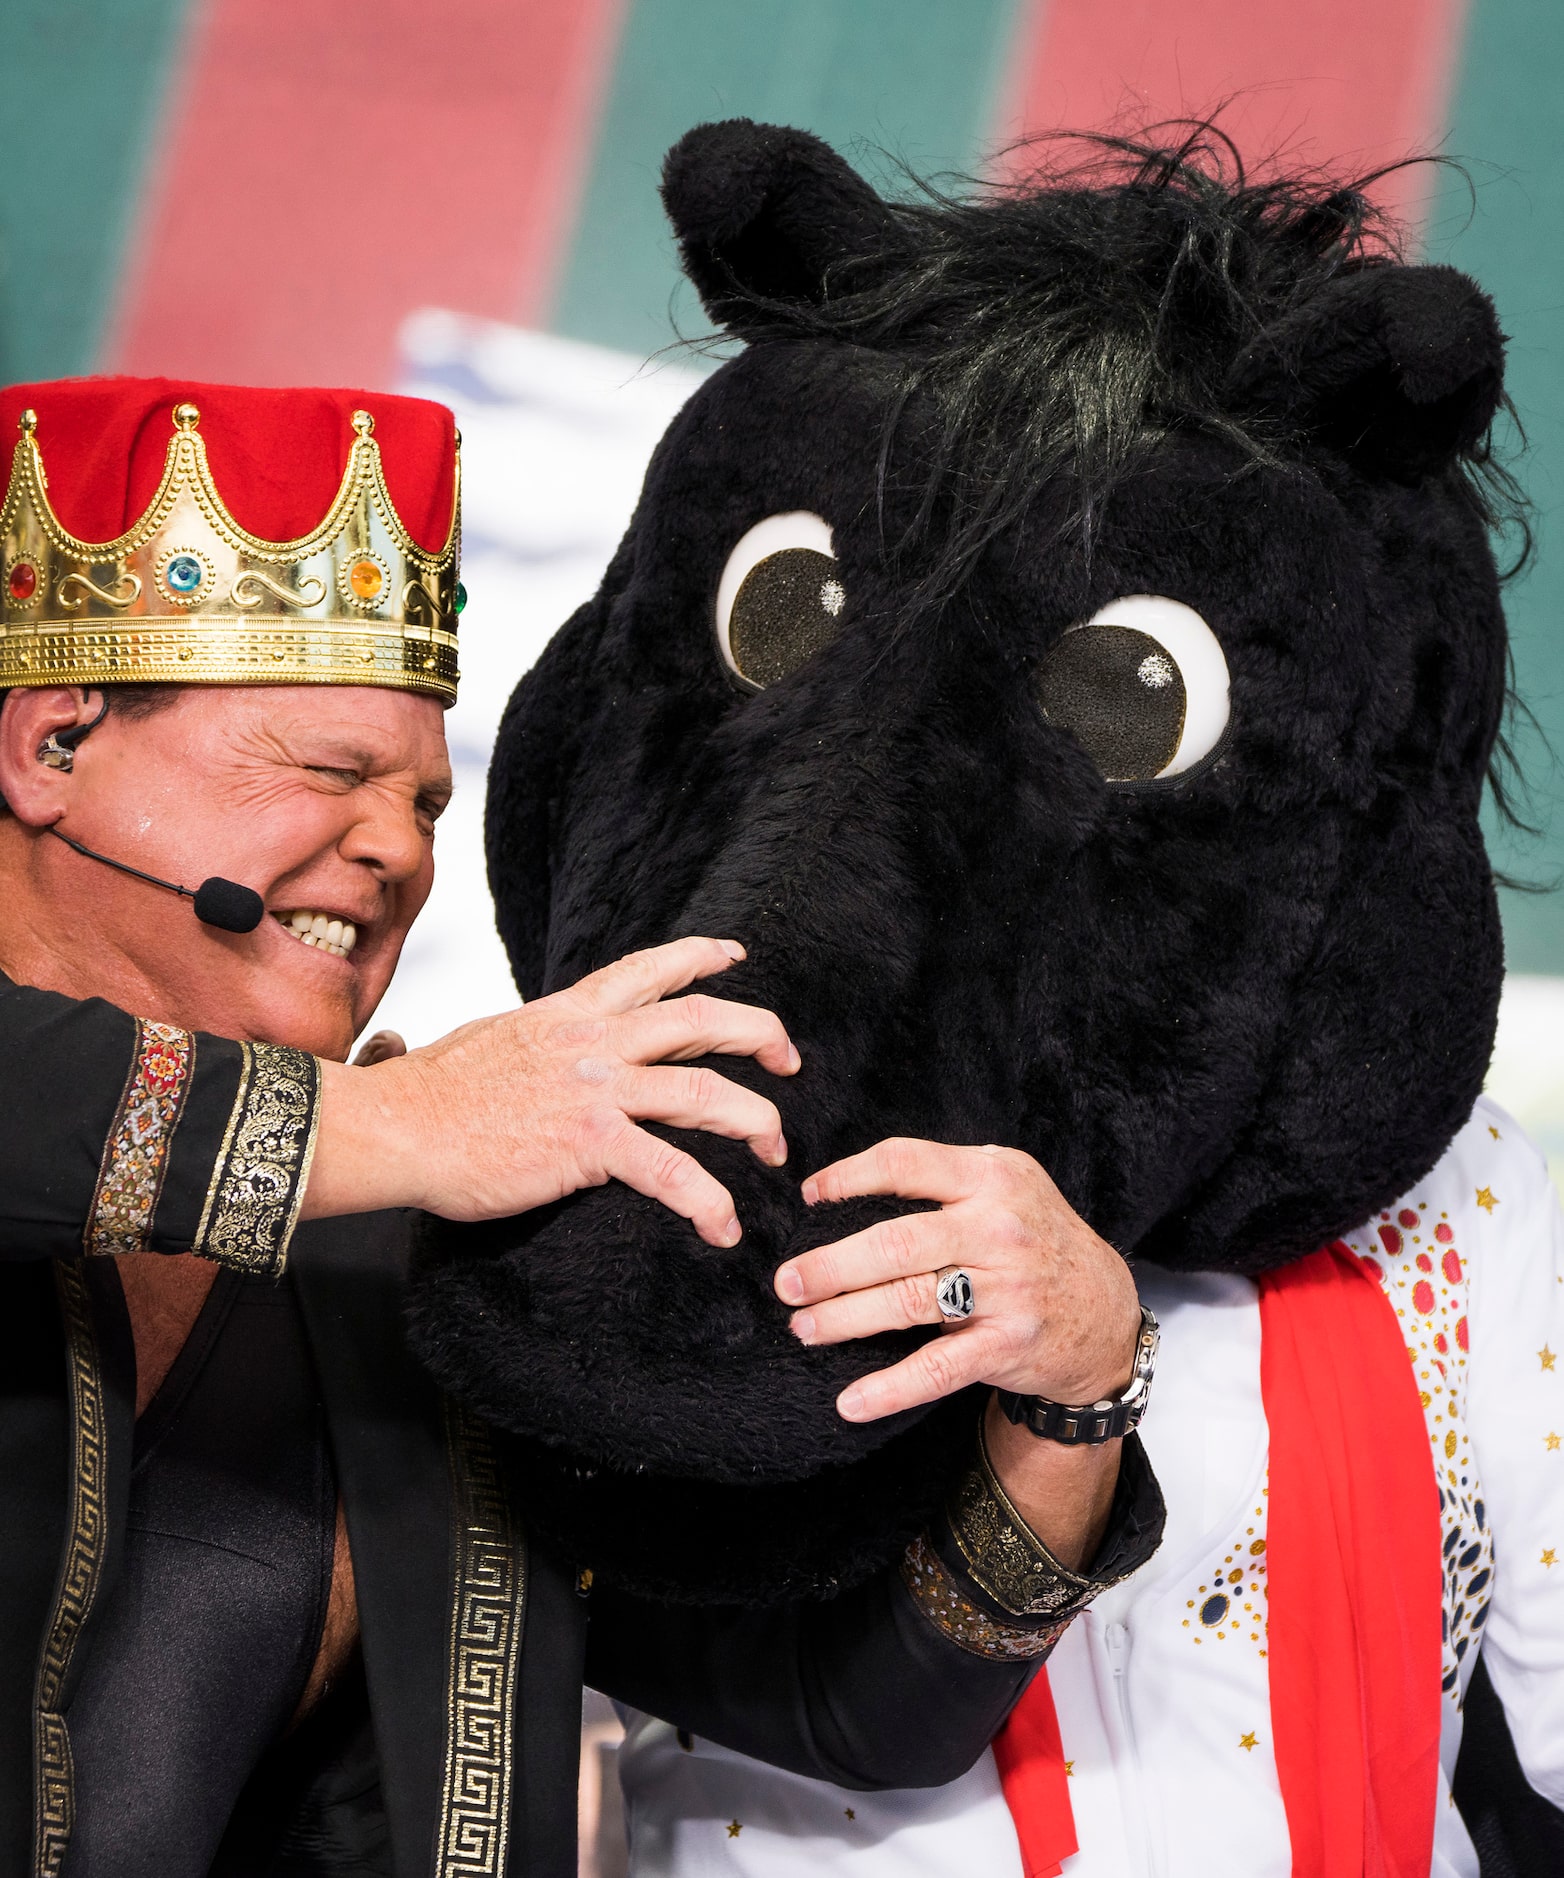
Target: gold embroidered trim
939,1598
485,1646
54,1801
135,1156
252,1204
1005,1557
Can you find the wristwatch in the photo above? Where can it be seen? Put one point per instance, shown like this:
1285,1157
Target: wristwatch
1091,1422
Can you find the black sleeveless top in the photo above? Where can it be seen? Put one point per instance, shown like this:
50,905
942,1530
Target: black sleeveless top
203,1649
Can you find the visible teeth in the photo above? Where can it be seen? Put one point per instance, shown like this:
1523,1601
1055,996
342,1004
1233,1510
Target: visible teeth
336,936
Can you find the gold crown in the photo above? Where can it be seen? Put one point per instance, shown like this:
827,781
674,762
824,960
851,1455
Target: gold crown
187,596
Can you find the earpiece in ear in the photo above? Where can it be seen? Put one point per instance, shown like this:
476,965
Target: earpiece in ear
55,755
58,749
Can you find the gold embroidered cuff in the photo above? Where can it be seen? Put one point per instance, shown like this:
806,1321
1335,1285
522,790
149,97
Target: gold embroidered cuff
252,1204
1004,1556
135,1155
939,1598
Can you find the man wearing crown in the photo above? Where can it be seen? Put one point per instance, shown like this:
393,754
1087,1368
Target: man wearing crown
268,1603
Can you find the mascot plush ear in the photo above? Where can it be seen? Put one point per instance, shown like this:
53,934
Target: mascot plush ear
1399,369
769,215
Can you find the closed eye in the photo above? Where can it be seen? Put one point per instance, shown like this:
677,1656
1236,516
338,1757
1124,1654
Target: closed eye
429,807
428,804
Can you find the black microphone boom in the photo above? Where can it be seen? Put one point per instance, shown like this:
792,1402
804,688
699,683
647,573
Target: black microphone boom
218,902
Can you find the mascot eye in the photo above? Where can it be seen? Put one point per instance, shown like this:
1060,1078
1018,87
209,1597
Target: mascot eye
780,598
1142,686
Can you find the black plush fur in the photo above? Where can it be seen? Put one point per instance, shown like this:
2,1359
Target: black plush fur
1232,1015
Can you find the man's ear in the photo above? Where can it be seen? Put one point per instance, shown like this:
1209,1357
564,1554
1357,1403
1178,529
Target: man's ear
1399,368
34,792
767,213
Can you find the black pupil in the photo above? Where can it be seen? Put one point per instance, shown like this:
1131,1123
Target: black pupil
787,608
1120,694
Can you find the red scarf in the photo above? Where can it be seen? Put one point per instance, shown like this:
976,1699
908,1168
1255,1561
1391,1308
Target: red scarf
1352,1554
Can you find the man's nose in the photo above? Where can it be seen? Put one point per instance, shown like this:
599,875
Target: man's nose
388,838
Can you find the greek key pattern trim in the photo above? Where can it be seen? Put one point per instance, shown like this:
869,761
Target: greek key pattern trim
1006,1559
54,1801
485,1646
939,1598
135,1157
252,1204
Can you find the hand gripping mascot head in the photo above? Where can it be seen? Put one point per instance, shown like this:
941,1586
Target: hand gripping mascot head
1065,646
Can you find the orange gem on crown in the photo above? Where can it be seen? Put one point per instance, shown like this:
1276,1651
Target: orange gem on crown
366,579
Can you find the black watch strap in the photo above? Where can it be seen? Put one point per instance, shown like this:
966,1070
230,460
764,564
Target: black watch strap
1091,1423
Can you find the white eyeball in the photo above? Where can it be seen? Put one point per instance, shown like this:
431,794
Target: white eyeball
1142,685
780,598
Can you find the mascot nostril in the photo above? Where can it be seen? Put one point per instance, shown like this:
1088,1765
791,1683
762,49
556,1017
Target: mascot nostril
1024,646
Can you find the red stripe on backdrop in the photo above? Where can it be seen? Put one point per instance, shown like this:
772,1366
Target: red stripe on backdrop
328,165
1335,82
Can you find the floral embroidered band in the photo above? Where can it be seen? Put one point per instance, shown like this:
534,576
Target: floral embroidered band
1004,1556
130,1177
941,1600
252,1204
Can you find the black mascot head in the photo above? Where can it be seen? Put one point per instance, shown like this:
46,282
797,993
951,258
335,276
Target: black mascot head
1065,646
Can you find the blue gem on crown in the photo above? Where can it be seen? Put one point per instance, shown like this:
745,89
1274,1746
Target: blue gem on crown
184,573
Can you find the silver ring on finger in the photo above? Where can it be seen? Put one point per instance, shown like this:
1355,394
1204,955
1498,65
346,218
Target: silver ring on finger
953,1294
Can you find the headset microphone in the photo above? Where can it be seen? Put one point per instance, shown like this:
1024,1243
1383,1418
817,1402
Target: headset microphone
218,902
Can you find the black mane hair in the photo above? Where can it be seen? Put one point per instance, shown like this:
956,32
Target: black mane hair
1050,326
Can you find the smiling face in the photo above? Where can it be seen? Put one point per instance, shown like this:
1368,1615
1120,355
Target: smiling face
323,799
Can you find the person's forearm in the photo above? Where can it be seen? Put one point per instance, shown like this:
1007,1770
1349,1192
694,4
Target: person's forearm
366,1156
1063,1493
862,1690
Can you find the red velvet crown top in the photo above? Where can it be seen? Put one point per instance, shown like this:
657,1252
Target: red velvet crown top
277,457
